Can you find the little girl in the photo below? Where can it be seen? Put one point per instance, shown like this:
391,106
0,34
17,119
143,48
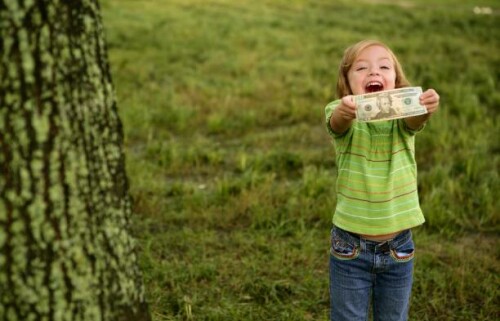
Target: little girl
377,201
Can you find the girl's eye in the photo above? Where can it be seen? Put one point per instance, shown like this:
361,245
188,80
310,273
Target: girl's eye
360,68
385,67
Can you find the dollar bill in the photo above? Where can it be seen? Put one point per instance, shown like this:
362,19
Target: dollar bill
389,104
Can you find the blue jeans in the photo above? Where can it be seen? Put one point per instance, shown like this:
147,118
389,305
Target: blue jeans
363,271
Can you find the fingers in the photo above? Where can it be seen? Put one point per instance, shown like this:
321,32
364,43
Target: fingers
347,114
429,93
347,110
348,101
430,99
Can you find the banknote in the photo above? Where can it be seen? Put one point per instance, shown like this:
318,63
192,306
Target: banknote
389,104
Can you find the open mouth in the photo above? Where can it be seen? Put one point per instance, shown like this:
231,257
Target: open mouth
374,86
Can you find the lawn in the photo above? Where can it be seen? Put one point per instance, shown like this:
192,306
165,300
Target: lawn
232,171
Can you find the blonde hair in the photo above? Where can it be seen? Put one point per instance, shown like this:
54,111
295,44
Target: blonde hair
350,55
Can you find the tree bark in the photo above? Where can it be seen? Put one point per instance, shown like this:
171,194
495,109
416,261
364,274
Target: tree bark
65,248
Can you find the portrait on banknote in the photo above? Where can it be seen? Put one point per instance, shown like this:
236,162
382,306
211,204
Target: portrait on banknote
384,104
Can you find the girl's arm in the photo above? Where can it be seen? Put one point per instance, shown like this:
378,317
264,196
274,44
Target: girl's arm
430,99
343,115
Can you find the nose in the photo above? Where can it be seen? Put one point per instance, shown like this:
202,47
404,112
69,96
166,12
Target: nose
374,71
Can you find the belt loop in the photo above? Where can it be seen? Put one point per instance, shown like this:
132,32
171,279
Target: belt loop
385,246
362,244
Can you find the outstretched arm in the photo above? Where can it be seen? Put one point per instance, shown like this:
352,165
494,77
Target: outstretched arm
343,115
430,99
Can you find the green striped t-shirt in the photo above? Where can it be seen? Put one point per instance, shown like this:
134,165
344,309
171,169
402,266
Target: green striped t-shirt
377,177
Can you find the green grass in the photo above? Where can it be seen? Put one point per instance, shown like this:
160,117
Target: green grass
232,171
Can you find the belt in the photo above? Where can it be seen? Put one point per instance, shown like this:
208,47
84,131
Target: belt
384,246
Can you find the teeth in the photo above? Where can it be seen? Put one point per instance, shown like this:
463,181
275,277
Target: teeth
374,83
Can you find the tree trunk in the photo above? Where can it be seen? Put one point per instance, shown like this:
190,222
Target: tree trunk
65,248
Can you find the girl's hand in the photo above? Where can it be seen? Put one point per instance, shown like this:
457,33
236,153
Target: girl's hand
430,99
343,115
347,108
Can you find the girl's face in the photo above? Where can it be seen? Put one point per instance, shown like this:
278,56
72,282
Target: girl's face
373,70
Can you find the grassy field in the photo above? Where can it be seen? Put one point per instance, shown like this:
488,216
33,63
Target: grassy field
232,171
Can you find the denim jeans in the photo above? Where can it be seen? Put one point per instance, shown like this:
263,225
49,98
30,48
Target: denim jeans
364,272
